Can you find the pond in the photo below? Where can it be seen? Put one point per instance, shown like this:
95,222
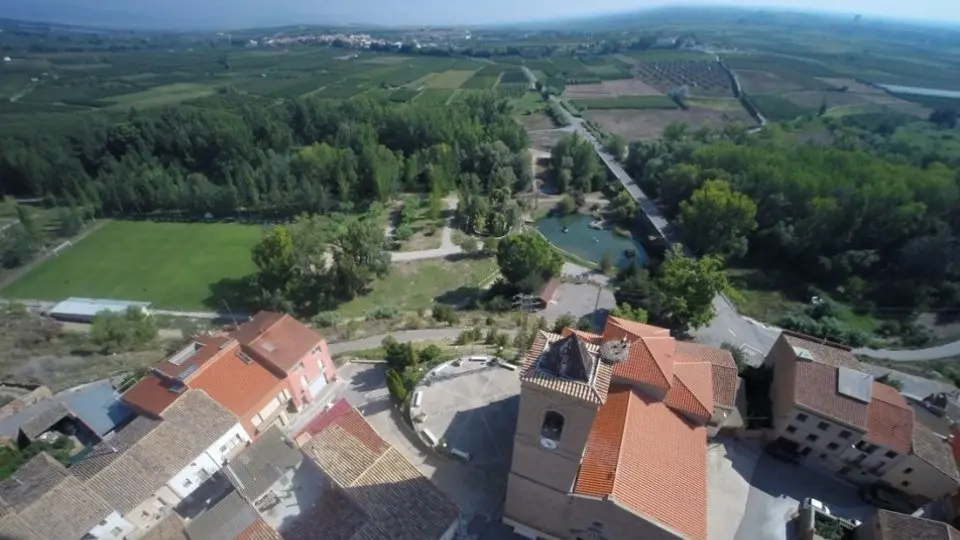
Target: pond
589,243
917,91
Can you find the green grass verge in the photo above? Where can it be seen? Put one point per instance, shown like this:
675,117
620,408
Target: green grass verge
626,102
173,265
420,284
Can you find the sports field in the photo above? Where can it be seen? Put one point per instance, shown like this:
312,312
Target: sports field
172,265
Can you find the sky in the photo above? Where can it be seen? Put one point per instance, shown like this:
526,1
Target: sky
246,13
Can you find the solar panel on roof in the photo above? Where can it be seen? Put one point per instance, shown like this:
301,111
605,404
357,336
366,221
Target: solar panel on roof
854,384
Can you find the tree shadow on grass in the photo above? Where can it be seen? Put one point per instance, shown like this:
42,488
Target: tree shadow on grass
458,296
231,295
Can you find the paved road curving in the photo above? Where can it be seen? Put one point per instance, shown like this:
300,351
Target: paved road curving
914,355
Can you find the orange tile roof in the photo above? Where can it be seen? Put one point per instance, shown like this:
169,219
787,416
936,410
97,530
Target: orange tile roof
279,340
206,349
692,390
237,385
150,395
259,530
638,330
647,458
889,419
642,367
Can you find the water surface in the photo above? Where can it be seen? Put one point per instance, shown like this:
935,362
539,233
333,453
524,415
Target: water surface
589,243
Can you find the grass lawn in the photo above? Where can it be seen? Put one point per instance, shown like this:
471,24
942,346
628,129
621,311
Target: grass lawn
420,284
173,265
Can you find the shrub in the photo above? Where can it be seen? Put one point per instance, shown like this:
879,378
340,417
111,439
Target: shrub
445,314
564,321
326,319
465,336
402,233
491,336
739,358
381,312
430,354
502,340
396,386
491,321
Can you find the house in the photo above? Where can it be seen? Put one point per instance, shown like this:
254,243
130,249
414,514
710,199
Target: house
836,417
611,436
886,525
270,460
87,412
546,293
150,465
370,490
41,500
262,371
229,518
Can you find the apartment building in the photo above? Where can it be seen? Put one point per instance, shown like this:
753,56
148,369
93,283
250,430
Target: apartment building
263,371
835,416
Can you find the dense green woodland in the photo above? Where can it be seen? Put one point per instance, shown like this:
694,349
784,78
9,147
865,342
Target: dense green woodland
881,233
237,155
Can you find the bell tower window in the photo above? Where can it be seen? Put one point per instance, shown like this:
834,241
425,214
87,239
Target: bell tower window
552,428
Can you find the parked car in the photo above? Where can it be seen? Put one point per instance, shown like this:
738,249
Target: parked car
817,505
887,498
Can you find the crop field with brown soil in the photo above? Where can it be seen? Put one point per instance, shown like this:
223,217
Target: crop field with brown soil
649,123
535,121
702,77
607,89
545,140
763,82
814,98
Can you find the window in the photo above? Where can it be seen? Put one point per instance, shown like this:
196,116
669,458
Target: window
812,438
791,429
104,522
890,454
905,483
908,470
552,426
187,483
117,531
256,420
801,417
844,434
865,447
833,446
823,426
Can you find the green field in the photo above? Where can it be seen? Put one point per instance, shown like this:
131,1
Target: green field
777,108
418,285
161,95
451,79
434,96
627,102
173,265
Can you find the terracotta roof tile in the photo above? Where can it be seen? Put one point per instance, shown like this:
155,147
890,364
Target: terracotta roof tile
692,390
197,353
934,450
726,384
280,340
602,452
642,367
714,355
237,385
259,530
636,329
896,526
150,395
889,419
657,467
824,352
596,339
816,389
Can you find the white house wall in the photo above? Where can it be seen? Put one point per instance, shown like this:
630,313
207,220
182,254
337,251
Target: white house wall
113,527
190,477
214,451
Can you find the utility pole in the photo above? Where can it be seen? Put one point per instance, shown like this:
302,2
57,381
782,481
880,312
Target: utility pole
526,304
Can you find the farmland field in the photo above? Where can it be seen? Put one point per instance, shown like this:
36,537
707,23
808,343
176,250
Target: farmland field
778,108
622,87
649,124
432,96
702,77
481,82
143,260
756,82
451,79
626,102
161,95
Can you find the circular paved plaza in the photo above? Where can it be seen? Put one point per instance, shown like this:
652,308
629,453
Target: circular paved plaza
473,407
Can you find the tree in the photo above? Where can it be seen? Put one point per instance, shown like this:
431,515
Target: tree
491,246
527,260
359,256
624,207
566,205
70,222
566,320
686,288
717,219
470,245
27,222
16,246
739,358
396,386
606,263
119,332
616,146
891,381
626,311
273,256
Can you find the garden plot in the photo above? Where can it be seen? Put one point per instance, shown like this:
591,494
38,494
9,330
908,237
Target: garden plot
650,123
608,89
702,77
763,82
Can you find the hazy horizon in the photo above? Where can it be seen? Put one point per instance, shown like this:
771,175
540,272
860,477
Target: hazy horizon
234,14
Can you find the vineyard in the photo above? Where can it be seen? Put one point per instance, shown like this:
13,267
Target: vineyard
702,77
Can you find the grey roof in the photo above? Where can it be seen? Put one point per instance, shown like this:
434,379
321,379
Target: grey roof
262,464
113,446
42,501
88,307
226,519
30,482
568,358
169,528
96,405
191,425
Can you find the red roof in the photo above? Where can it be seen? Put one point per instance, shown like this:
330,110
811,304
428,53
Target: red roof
889,419
343,414
150,395
280,340
237,385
